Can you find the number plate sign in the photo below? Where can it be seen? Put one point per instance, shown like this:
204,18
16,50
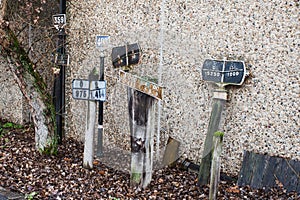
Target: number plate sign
59,20
102,41
80,89
212,71
89,90
62,59
234,73
98,90
224,71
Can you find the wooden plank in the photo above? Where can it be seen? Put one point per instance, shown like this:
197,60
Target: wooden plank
172,152
264,171
258,170
214,123
215,165
141,84
142,120
246,172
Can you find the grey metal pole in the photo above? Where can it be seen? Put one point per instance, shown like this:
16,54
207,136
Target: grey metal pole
100,111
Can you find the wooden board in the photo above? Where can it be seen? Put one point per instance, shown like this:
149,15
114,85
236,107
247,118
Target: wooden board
264,171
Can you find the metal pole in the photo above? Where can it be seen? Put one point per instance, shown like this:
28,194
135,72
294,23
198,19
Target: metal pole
60,80
100,112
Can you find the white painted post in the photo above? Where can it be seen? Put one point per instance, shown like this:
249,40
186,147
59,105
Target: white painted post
88,154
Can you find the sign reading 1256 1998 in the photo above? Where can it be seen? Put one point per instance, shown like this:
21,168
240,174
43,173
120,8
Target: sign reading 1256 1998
226,72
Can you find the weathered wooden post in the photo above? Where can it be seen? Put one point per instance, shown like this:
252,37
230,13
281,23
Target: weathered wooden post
222,73
215,166
141,109
142,101
142,95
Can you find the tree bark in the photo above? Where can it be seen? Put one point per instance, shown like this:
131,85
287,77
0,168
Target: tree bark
34,90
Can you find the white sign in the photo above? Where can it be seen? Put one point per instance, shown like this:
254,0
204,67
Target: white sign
80,89
59,20
86,90
98,90
80,84
102,41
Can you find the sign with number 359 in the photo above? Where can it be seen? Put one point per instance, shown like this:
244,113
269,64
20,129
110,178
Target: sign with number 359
59,20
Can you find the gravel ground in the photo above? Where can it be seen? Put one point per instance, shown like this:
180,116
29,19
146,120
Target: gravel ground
25,171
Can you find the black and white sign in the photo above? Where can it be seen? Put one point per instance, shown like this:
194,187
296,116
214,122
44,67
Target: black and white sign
85,90
234,72
59,20
98,90
80,89
224,71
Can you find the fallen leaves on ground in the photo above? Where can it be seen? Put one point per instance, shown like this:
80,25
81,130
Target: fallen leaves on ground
24,170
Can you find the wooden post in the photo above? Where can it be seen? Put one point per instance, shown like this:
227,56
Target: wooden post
215,165
172,152
142,120
218,103
88,153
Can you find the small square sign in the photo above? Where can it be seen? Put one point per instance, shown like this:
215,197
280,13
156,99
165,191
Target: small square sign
102,41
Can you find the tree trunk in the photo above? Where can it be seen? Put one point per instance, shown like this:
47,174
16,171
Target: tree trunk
34,90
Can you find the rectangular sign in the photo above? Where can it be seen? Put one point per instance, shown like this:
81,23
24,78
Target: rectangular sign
61,59
80,84
102,41
98,90
80,89
59,20
89,90
141,84
224,71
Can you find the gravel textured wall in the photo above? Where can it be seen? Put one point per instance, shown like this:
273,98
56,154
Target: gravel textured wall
176,37
11,97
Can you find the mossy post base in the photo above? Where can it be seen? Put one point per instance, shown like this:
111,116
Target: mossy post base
219,100
142,120
215,165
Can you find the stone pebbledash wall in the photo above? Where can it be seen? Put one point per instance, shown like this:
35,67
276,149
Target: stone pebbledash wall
261,115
